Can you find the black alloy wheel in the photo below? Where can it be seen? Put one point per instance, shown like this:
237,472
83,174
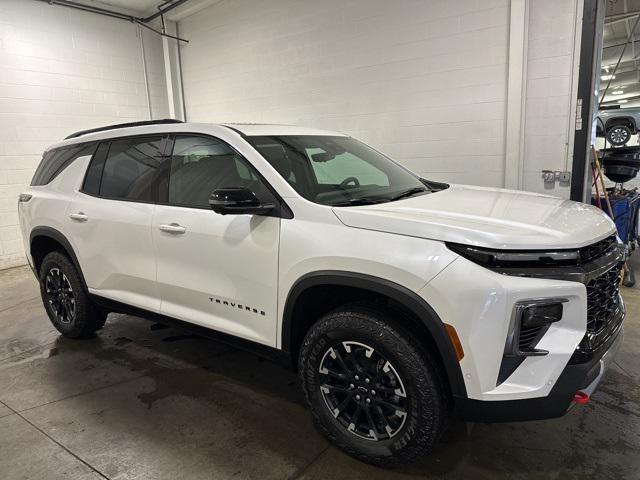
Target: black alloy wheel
59,296
363,391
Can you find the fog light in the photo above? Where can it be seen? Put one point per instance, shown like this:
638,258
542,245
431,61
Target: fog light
541,315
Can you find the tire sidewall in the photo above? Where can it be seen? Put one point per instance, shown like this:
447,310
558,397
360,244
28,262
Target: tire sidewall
424,406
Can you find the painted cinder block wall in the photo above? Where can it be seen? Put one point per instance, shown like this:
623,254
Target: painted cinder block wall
550,87
63,70
422,81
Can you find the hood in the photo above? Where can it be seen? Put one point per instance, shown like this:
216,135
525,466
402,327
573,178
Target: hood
486,217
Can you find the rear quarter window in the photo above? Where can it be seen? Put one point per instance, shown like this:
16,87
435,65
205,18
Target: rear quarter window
55,161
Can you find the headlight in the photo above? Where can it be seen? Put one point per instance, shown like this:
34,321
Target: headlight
496,259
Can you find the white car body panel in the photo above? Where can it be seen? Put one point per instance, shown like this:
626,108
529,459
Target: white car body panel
50,208
116,226
486,217
407,261
476,301
219,264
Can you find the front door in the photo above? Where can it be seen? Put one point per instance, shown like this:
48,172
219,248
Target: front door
218,271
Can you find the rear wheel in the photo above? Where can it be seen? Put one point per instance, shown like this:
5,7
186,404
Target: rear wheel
373,390
618,135
65,299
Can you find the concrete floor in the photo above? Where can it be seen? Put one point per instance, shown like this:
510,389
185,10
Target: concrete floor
142,402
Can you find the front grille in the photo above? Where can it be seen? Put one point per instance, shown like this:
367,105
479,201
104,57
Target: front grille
596,250
602,299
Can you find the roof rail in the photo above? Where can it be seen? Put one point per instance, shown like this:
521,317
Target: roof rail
123,125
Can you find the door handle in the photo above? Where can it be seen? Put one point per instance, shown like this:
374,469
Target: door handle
172,228
79,217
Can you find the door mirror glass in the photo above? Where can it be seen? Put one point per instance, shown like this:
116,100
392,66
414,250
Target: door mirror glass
238,201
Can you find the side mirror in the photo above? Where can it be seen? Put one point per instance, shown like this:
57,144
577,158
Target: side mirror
237,201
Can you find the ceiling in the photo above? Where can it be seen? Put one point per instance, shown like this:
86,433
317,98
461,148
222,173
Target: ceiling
136,5
620,18
143,8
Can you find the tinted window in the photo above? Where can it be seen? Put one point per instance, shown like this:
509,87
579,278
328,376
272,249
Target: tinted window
94,172
55,161
200,165
133,169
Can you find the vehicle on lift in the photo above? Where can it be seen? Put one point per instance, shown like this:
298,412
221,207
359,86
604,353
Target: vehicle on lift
619,124
401,301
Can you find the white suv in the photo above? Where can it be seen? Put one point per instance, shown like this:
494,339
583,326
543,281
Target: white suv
401,301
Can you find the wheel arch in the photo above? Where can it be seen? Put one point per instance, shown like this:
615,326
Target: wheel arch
621,120
50,239
430,323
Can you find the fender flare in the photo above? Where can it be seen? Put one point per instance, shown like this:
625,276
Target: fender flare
62,240
412,301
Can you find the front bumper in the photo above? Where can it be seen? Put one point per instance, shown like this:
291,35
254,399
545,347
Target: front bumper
583,377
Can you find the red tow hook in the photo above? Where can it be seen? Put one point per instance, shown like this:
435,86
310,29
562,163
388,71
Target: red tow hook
581,398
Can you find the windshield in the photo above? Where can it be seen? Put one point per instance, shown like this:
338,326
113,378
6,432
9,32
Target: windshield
334,170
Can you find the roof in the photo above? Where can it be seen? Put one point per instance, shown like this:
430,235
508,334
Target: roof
171,125
266,129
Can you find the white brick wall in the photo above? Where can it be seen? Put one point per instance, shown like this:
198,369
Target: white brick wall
547,105
155,74
63,70
422,80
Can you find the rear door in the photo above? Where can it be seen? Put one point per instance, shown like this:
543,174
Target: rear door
109,219
219,271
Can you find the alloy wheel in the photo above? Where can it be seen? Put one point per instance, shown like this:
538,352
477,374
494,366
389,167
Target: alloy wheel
619,135
59,296
363,391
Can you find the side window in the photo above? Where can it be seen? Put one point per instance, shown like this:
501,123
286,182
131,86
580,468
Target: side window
133,169
279,159
200,165
55,161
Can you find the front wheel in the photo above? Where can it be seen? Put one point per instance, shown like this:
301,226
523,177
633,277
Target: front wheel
373,391
65,299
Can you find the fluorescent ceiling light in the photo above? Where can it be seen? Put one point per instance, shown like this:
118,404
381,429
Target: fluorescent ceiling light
608,77
617,92
623,101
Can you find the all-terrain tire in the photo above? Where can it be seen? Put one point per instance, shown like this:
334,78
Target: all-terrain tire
80,318
426,400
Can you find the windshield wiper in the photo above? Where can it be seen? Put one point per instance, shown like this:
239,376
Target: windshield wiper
359,201
408,193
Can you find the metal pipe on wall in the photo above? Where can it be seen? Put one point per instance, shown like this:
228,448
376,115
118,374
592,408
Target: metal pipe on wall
145,73
142,21
184,106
